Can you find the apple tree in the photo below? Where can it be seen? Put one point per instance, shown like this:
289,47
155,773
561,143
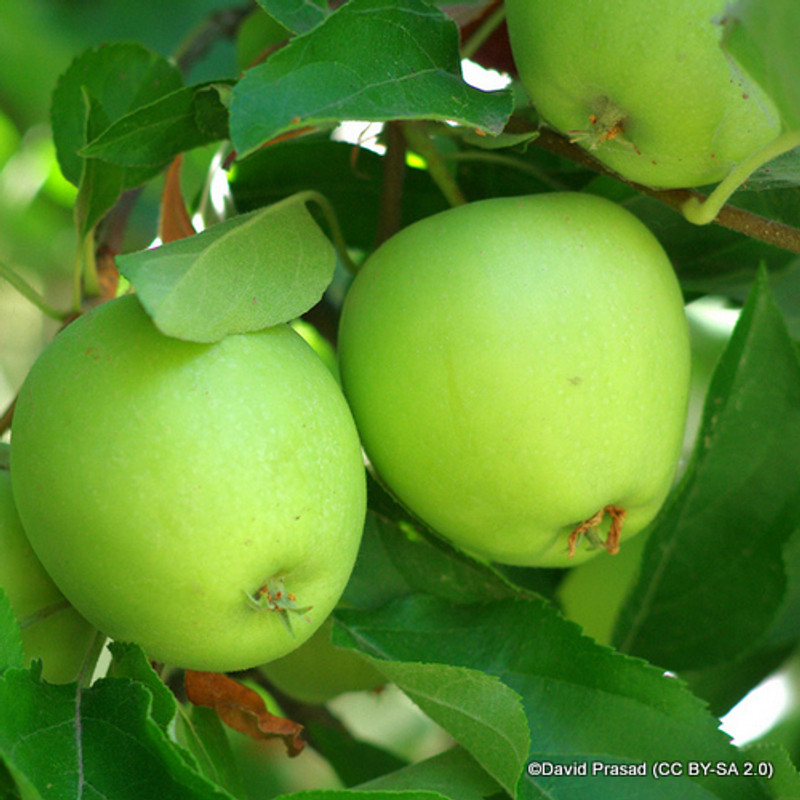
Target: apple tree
400,399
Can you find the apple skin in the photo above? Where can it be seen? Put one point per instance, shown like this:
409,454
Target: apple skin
316,672
686,118
62,638
163,483
593,595
515,365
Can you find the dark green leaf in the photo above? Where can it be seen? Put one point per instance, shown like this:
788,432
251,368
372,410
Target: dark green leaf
11,652
354,761
339,71
100,184
244,274
584,703
129,661
477,709
454,773
118,78
202,733
762,35
357,794
93,743
713,577
298,16
154,134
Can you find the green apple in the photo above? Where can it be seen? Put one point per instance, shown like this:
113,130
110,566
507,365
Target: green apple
646,86
593,595
316,672
517,365
51,629
205,501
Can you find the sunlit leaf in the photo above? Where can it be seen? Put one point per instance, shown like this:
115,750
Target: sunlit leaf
339,71
244,274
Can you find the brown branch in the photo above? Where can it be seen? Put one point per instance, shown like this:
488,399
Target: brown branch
8,415
394,171
753,225
220,25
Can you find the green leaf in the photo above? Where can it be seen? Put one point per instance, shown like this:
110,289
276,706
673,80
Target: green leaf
453,773
129,661
65,742
11,652
353,760
762,36
478,710
357,794
584,703
784,780
712,578
100,184
154,134
247,273
118,78
339,71
202,733
298,16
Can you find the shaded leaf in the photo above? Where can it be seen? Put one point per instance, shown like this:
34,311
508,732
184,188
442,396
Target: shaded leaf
353,760
339,71
152,135
119,78
241,708
129,661
712,578
64,742
100,184
357,794
762,36
11,652
583,702
298,16
480,712
245,274
453,773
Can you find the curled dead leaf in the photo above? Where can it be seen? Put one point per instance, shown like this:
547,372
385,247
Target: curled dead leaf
241,708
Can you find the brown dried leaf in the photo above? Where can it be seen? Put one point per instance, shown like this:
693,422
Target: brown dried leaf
241,708
175,222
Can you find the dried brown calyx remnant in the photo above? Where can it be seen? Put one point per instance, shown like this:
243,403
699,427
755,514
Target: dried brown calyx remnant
606,123
273,596
589,528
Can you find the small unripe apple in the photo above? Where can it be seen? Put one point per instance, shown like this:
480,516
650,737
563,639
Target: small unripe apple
205,501
316,672
516,368
51,629
645,86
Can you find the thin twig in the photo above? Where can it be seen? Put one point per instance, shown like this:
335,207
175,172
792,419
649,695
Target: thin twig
736,219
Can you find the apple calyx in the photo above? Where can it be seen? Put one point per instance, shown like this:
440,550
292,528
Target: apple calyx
589,526
272,596
605,123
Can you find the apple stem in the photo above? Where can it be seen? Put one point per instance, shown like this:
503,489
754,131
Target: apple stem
702,212
335,229
588,526
44,613
419,141
29,293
